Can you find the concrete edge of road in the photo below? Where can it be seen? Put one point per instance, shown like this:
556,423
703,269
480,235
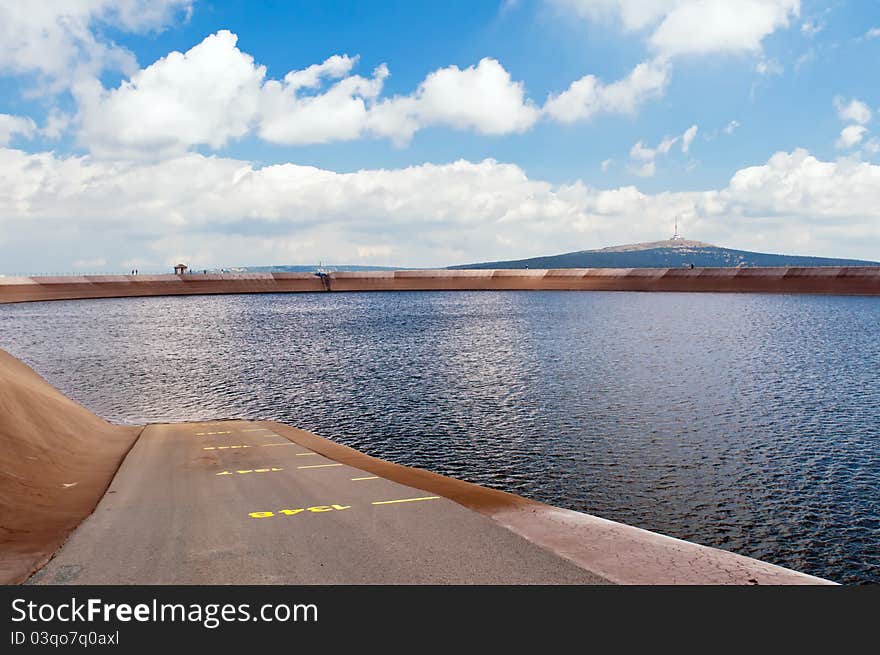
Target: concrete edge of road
620,553
42,558
56,462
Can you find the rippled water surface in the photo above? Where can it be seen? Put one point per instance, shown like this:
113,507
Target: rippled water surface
748,422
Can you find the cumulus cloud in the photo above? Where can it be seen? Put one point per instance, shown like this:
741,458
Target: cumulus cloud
61,42
850,136
215,93
723,25
57,123
339,113
827,196
220,212
854,111
11,126
208,95
482,98
589,96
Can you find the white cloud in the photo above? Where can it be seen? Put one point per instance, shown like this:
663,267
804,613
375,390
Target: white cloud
731,127
56,124
834,198
311,78
24,126
482,98
219,211
643,159
873,33
724,26
589,96
339,113
10,126
685,27
666,145
61,41
633,14
215,93
854,111
768,67
606,165
688,137
811,28
850,136
208,95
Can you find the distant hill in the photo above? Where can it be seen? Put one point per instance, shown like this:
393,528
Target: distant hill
673,253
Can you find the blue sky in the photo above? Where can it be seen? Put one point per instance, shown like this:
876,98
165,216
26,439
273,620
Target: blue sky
754,121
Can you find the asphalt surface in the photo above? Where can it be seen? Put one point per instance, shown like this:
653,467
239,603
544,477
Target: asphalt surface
234,503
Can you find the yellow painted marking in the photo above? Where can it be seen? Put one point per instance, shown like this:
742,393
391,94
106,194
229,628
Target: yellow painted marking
372,477
305,454
265,470
289,443
316,509
257,430
404,500
318,466
223,447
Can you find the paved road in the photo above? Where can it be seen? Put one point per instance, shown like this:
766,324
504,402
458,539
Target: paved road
234,503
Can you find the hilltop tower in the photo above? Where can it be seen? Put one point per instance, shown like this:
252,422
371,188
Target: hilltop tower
676,236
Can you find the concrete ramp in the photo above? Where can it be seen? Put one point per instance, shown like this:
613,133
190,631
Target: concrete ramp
236,503
240,502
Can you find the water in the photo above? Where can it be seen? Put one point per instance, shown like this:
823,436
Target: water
747,422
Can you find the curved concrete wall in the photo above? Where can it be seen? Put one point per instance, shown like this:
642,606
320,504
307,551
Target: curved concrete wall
56,460
824,280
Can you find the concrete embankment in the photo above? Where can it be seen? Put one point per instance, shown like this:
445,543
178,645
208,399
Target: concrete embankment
226,502
56,460
830,280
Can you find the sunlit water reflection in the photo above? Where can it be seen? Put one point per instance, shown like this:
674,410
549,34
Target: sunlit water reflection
748,422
